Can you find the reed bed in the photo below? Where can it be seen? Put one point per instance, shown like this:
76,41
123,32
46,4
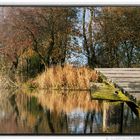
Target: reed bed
68,77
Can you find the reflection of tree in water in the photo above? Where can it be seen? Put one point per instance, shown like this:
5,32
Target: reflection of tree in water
32,115
15,108
89,119
58,113
112,117
9,122
29,113
131,122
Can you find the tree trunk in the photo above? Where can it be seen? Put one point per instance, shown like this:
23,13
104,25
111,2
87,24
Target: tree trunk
85,42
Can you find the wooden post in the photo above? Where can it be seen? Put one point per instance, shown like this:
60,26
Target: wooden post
105,115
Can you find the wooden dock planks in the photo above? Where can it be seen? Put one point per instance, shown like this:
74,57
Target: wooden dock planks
127,79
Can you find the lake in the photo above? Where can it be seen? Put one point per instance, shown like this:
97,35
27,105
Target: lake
64,112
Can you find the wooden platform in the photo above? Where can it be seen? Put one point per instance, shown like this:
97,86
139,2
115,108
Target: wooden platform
127,79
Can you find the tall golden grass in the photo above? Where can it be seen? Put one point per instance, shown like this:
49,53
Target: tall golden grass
68,77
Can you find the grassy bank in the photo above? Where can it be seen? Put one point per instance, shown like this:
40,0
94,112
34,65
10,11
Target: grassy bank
67,77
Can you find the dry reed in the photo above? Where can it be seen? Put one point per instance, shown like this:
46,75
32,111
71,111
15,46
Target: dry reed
68,77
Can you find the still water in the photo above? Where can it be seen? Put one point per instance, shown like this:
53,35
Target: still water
57,112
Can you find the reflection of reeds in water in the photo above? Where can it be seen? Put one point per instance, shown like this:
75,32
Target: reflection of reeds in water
46,111
56,106
67,101
67,77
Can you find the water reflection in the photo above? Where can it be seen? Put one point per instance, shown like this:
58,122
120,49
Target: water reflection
56,112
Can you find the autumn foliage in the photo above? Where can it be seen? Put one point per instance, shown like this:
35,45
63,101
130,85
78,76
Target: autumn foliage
38,39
